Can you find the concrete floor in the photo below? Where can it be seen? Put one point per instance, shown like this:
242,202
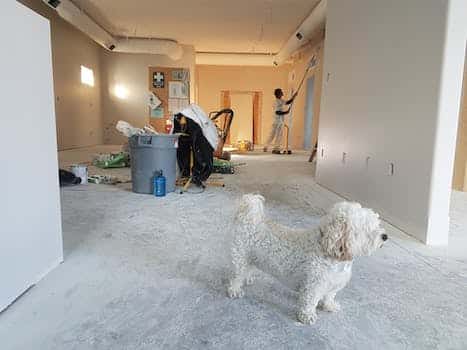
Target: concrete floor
147,273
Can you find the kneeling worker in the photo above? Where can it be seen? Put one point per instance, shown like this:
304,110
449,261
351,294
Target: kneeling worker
278,121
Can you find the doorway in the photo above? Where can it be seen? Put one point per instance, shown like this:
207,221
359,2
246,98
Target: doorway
242,124
309,108
246,124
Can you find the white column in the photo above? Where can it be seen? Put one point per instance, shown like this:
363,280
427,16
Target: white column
30,233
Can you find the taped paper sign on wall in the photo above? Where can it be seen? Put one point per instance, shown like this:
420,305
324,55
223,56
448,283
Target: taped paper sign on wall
158,80
177,104
180,74
157,113
178,89
153,101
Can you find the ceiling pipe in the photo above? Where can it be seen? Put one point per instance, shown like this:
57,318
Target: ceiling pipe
233,59
79,19
314,22
151,46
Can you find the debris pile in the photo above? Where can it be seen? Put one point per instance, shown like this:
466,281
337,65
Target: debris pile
129,130
112,160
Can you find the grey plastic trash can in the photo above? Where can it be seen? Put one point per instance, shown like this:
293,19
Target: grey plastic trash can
149,154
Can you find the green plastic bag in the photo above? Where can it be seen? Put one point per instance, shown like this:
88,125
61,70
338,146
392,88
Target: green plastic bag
112,160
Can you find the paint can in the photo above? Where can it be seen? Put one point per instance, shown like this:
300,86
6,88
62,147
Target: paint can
81,171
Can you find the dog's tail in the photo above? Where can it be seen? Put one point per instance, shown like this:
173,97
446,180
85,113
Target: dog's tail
250,210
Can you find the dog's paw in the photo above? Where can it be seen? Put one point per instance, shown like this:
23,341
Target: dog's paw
234,292
307,317
330,306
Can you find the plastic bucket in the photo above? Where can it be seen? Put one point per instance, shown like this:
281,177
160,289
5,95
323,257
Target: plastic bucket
149,154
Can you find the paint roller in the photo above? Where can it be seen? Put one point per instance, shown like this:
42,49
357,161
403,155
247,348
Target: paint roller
311,64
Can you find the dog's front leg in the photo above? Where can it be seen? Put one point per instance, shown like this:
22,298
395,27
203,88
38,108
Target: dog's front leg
240,265
328,303
307,302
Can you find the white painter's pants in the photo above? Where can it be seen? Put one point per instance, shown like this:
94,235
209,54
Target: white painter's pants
275,137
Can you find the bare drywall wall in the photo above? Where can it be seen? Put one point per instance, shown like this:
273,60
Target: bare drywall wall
78,106
460,166
390,108
211,80
30,238
129,73
297,70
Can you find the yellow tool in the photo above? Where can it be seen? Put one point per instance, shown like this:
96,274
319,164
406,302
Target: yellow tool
287,150
187,184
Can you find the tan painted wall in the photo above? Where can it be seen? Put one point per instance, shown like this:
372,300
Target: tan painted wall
460,167
297,70
211,80
77,107
131,72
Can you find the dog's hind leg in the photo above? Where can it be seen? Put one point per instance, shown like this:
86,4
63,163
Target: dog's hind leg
239,273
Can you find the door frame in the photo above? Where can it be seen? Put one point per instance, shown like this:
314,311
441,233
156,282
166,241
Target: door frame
225,102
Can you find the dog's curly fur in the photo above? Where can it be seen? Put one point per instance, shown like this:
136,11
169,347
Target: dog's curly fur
316,263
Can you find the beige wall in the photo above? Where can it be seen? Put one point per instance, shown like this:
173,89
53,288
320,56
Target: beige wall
77,107
242,124
460,167
131,72
297,70
211,80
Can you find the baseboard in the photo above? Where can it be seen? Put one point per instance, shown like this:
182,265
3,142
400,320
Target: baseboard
31,284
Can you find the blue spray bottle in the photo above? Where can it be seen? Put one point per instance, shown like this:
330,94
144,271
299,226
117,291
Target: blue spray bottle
159,184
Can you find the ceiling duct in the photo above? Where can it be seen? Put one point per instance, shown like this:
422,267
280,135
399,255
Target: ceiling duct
72,14
233,59
313,23
152,46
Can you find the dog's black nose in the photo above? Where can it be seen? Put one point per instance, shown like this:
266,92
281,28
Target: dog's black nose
384,237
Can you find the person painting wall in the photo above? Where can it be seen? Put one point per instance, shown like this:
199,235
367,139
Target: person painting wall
280,110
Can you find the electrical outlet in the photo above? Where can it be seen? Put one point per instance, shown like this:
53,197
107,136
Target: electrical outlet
344,157
322,152
328,77
391,169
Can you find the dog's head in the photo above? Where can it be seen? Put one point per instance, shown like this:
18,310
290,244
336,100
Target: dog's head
349,231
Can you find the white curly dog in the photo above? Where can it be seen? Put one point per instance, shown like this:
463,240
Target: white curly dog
317,263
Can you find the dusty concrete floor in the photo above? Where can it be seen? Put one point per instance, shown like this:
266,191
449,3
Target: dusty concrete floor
147,273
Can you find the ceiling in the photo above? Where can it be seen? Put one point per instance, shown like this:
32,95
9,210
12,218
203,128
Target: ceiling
253,26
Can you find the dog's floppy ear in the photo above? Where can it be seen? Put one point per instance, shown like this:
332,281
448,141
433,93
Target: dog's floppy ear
335,233
343,244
